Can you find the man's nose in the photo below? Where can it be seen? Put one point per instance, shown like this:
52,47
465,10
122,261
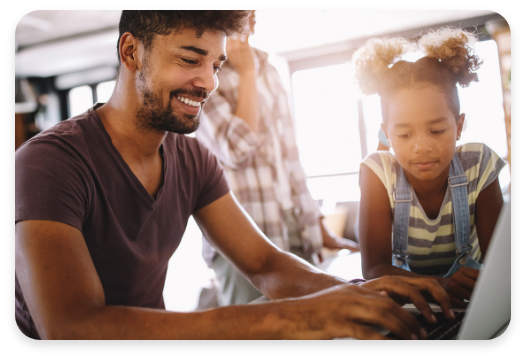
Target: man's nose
206,80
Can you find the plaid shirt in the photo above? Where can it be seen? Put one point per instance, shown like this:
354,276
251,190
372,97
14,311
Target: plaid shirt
249,158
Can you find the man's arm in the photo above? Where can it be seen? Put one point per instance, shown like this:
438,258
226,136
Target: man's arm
277,274
66,300
240,56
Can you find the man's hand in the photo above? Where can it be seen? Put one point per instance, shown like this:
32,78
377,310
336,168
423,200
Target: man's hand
460,285
412,290
351,310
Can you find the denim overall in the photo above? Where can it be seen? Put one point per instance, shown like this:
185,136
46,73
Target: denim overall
461,220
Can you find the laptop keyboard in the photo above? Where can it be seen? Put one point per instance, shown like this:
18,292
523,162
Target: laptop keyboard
443,329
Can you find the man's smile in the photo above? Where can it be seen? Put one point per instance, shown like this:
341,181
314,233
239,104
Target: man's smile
189,102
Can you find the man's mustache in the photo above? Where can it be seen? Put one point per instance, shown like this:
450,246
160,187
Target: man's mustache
191,92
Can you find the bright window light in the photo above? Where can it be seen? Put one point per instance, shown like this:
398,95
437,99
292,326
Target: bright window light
104,91
80,100
326,120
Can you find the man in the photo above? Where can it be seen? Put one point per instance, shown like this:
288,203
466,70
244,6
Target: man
248,126
102,201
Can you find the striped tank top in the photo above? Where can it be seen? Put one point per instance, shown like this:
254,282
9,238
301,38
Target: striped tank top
431,242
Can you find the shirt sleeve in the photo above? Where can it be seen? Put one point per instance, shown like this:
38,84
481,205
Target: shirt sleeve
490,166
213,182
51,183
375,163
228,136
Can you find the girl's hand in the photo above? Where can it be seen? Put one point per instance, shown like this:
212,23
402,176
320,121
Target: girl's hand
460,286
414,290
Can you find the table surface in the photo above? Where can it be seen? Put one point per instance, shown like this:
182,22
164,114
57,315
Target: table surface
343,264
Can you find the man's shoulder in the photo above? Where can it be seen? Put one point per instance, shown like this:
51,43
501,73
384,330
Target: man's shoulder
68,136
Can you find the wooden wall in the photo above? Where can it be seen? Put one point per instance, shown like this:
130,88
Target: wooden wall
500,31
20,130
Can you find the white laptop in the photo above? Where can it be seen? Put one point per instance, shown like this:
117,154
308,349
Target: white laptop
488,313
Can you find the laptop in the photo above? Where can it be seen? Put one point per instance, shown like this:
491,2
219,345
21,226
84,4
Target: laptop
488,313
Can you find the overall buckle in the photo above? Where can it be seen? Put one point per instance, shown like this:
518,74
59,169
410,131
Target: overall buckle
408,200
456,185
459,250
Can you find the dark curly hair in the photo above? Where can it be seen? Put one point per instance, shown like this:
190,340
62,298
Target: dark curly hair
144,24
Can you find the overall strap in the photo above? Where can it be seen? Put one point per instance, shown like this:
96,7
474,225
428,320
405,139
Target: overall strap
458,182
402,197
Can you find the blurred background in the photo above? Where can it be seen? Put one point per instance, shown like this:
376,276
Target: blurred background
65,61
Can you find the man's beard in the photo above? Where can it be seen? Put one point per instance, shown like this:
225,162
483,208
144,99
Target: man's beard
152,115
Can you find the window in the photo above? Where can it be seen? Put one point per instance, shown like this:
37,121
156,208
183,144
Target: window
104,91
329,143
80,99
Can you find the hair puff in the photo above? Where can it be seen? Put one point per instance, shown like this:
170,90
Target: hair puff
454,48
372,60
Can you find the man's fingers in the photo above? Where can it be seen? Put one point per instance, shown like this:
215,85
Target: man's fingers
374,309
411,289
384,312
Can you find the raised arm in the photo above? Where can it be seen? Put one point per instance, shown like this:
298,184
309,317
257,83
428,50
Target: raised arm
230,125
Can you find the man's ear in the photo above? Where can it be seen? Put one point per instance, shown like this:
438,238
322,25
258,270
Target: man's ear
128,51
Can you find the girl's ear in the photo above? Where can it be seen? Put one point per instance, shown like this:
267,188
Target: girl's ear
460,125
384,129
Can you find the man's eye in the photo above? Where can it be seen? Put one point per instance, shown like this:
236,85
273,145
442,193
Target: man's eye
188,61
217,68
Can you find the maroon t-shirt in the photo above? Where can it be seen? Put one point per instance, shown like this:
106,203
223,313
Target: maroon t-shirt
73,174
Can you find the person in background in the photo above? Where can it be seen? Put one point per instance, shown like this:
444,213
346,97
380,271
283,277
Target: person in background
248,125
430,209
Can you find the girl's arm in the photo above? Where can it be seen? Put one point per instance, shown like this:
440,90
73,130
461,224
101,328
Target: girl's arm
487,211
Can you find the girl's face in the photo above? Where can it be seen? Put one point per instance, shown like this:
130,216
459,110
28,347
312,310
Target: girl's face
423,132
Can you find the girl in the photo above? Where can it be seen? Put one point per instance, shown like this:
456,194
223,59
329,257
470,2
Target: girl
430,209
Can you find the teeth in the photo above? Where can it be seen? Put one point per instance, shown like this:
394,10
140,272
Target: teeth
189,102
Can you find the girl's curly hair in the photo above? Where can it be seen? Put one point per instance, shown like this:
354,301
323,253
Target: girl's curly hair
449,60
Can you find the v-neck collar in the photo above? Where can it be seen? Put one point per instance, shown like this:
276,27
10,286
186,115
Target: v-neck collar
133,177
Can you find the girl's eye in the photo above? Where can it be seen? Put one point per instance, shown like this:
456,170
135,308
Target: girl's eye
403,136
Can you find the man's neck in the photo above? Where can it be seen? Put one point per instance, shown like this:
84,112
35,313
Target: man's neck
138,148
120,122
